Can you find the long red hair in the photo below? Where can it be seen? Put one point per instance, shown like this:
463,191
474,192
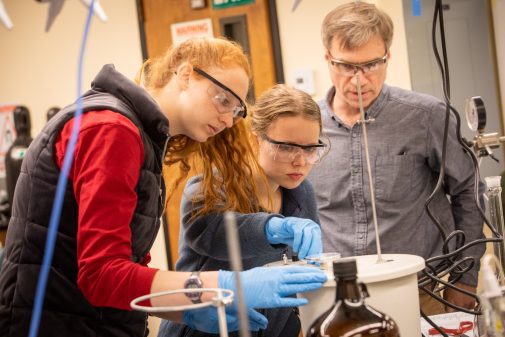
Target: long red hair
226,160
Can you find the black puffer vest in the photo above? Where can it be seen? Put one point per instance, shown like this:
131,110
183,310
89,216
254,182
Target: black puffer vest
66,311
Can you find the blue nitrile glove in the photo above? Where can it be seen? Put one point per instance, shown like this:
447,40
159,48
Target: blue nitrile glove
270,287
303,235
206,319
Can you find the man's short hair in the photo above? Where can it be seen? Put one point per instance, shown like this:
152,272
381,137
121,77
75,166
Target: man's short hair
354,24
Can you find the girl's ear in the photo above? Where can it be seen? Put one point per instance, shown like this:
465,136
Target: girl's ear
183,75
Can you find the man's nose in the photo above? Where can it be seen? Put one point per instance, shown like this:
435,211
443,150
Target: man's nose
358,72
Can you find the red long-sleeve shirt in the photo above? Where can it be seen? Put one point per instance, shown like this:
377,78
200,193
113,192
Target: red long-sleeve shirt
105,170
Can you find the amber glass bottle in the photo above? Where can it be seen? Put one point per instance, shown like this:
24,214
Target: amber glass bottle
350,316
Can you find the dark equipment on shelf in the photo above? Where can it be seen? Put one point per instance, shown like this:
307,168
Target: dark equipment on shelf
17,150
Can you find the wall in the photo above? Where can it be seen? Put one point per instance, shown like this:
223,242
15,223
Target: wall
38,69
498,13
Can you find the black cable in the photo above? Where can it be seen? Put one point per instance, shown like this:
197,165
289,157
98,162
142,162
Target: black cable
451,263
440,331
441,174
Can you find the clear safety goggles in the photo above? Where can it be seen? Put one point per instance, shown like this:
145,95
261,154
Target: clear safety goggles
350,69
287,152
223,98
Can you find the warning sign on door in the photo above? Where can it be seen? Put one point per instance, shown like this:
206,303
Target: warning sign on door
182,31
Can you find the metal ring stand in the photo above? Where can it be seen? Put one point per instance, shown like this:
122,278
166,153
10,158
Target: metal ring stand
220,301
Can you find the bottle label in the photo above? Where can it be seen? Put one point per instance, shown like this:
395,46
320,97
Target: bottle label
354,304
18,152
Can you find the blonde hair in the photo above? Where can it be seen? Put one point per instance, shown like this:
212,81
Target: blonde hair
227,158
282,100
354,24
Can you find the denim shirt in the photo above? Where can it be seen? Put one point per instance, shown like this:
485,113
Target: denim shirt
405,145
202,246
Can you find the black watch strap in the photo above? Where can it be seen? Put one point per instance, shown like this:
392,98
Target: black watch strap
194,282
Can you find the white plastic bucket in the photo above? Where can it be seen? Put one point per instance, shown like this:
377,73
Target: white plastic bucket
392,287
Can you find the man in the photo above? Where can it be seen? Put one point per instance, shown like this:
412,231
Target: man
405,137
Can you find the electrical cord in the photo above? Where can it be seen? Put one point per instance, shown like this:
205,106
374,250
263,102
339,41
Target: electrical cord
60,191
451,263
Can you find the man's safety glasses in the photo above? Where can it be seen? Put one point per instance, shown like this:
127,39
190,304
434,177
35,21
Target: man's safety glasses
350,69
224,99
287,152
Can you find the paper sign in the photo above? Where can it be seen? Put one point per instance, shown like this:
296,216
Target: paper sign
449,321
7,133
182,31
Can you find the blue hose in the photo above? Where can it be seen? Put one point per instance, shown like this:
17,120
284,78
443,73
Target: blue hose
60,191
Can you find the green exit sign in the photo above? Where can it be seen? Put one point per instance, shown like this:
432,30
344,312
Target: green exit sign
218,4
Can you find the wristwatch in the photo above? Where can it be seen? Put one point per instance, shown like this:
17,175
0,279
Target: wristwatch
194,282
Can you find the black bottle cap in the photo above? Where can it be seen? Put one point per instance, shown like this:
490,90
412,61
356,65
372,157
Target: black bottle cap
344,268
22,122
52,111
